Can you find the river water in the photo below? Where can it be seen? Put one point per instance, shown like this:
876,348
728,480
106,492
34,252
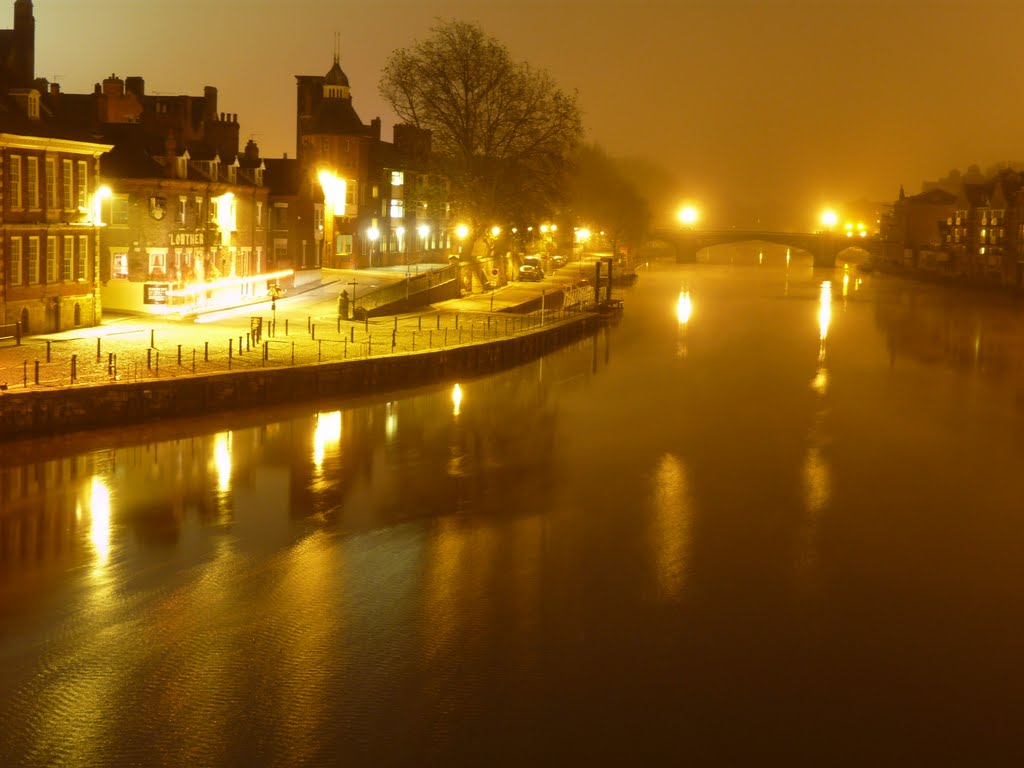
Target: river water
772,514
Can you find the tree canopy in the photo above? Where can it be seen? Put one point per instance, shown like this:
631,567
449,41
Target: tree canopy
502,132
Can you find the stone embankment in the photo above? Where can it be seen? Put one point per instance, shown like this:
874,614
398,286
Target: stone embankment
39,412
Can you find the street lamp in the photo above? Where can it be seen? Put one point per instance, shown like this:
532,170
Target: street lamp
374,234
423,230
829,218
688,216
461,232
335,190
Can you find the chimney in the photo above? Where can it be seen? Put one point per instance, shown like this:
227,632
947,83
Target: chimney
252,151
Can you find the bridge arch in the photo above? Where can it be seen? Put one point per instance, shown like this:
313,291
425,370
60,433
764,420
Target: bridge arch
824,247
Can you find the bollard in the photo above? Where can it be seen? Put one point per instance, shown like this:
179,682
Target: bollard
74,368
419,323
179,355
439,321
339,324
266,350
37,371
286,326
319,350
47,350
239,346
293,353
396,322
393,334
352,335
110,364
115,365
445,338
309,322
344,349
98,349
206,351
312,331
152,337
456,319
366,324
158,362
231,345
149,358
248,341
193,361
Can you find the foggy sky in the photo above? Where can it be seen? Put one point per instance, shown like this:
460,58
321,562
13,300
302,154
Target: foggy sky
766,109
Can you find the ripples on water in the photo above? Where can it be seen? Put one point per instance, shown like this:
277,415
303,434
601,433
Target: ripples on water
773,514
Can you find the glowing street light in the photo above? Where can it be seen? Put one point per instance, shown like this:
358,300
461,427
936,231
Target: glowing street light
374,235
688,215
101,194
829,218
461,232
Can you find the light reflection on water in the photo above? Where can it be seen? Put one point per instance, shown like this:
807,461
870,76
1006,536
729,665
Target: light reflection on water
620,539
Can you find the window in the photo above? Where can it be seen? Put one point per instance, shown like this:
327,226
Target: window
232,173
259,177
119,211
181,167
83,257
350,198
14,180
259,213
51,259
15,261
51,183
81,187
343,245
182,204
32,183
33,260
397,178
199,209
280,216
280,249
157,264
66,184
318,220
119,266
397,208
69,255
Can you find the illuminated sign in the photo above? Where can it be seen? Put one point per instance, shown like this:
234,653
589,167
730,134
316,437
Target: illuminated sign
188,238
154,293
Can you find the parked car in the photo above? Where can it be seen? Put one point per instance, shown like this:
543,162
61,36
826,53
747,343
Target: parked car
530,272
559,260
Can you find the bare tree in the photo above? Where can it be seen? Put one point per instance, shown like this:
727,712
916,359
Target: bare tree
502,131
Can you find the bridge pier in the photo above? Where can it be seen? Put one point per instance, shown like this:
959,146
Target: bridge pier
686,249
825,254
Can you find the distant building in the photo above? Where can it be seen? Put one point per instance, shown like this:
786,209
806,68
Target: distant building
972,231
48,186
375,206
187,219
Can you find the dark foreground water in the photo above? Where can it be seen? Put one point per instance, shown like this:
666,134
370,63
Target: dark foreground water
762,520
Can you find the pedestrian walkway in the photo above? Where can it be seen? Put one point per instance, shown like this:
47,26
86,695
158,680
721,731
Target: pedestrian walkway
302,328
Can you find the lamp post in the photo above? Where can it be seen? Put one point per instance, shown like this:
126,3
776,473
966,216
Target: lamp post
423,230
374,235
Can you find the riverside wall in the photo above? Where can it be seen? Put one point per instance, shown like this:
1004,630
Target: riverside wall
69,409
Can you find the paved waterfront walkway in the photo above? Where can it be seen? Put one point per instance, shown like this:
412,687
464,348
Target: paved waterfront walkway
305,328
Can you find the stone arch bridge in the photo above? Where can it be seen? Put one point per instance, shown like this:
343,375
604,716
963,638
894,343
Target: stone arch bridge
823,246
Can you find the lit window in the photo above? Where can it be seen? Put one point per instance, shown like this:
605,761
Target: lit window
33,260
51,259
51,183
82,187
119,267
397,208
33,183
83,257
397,178
68,260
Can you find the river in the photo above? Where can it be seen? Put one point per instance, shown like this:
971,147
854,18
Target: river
772,514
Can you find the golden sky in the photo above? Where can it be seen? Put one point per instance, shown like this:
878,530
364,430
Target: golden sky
765,109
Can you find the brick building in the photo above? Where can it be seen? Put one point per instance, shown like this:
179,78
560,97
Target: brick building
48,187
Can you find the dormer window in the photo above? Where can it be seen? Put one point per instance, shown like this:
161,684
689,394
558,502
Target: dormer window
181,167
259,177
33,105
233,173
